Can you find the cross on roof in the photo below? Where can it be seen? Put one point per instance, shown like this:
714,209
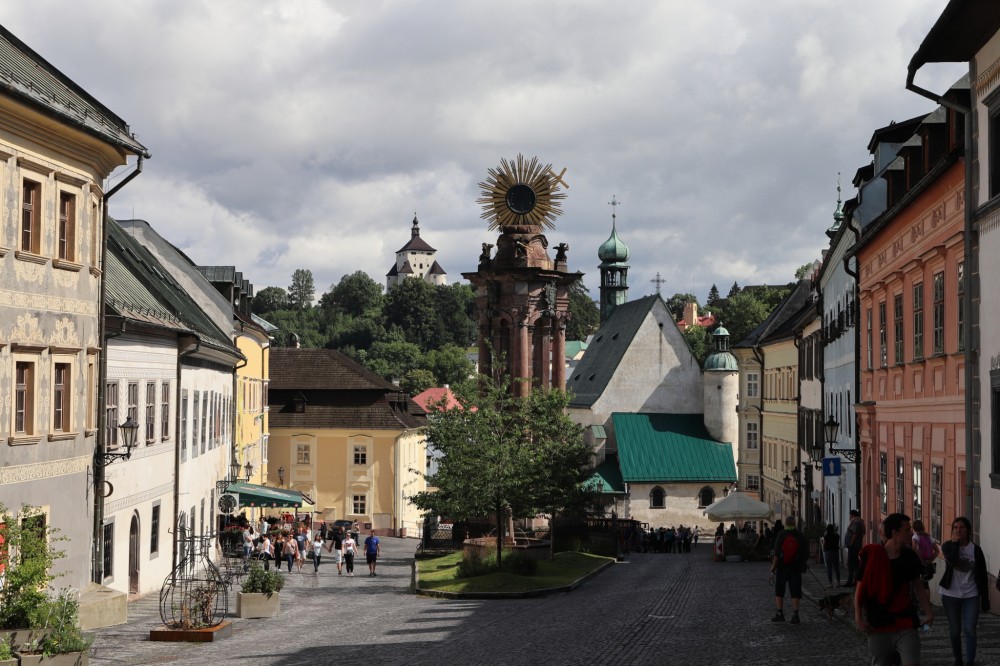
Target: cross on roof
658,281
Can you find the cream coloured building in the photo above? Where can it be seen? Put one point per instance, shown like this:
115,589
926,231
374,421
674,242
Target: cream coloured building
346,438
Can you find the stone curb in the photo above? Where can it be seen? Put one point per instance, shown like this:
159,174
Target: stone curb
439,594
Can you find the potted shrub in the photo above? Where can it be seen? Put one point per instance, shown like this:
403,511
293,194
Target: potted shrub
7,657
63,644
27,552
259,596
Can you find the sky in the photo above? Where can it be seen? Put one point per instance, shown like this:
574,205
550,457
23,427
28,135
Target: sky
291,134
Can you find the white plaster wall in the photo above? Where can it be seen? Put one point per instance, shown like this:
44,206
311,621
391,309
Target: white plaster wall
721,399
146,479
199,474
658,373
681,505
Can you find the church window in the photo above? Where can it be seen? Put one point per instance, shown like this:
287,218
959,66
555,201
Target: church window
705,497
657,500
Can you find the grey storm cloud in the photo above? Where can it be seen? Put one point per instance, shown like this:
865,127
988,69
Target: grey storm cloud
306,134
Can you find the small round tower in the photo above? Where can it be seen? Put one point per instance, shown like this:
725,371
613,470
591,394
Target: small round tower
721,382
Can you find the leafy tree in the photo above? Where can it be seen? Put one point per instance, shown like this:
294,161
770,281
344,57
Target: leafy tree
585,316
302,323
357,332
449,364
24,594
410,305
455,323
270,299
417,380
713,296
505,455
392,360
700,342
804,271
735,289
302,289
676,303
744,312
356,295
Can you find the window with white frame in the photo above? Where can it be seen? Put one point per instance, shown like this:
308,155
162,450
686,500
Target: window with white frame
753,384
150,412
302,454
753,482
66,232
31,217
359,504
360,454
918,503
111,415
165,410
62,395
753,435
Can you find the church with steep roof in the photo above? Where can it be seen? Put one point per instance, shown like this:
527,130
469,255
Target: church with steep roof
663,428
416,260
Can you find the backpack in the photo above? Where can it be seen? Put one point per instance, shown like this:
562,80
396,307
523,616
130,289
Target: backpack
788,552
925,547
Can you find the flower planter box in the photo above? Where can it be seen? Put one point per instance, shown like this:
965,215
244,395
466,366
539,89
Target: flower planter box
8,662
20,637
256,605
67,659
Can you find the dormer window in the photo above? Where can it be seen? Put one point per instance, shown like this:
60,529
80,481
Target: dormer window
299,404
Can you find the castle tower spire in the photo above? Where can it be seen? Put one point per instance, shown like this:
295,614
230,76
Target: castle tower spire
613,254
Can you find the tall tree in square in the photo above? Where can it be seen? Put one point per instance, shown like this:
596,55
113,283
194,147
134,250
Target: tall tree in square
505,455
302,289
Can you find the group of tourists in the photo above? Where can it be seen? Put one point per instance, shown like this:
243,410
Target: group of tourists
891,578
671,539
296,544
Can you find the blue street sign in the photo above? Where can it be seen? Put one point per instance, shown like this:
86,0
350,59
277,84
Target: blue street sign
831,466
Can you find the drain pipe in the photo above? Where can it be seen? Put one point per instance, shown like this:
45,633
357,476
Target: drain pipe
97,568
971,353
853,272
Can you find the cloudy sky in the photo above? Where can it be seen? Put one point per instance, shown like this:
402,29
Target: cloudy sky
293,134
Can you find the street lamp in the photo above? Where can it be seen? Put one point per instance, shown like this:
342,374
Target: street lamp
129,429
831,428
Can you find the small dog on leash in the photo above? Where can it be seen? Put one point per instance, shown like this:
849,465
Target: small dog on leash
843,601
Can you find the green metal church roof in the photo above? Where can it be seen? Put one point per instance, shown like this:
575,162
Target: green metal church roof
607,479
670,448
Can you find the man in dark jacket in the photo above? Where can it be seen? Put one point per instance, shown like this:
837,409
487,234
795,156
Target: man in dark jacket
791,557
854,539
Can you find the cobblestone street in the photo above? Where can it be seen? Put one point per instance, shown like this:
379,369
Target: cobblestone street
651,609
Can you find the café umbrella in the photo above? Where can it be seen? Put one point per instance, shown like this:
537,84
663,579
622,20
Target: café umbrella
738,506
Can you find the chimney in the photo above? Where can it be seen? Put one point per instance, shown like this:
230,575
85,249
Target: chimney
690,314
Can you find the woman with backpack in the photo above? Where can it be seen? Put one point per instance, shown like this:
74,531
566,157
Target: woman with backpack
926,550
964,588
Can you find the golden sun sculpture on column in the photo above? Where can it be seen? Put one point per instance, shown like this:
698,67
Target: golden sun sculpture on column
522,192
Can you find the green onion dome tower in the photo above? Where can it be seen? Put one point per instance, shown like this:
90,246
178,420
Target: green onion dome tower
613,254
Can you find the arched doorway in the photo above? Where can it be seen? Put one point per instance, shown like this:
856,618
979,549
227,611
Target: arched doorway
133,556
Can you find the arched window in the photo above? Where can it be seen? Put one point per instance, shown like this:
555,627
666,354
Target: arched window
705,497
657,500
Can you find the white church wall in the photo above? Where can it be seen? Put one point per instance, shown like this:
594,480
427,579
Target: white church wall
681,504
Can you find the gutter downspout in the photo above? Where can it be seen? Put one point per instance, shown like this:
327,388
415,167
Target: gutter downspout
857,359
971,353
97,566
759,355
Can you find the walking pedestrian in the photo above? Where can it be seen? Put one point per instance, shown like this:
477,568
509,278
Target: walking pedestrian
289,551
264,551
317,551
336,548
371,553
694,534
854,538
882,606
791,557
831,553
964,588
349,546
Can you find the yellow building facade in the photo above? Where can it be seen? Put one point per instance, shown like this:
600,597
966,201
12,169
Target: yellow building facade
349,440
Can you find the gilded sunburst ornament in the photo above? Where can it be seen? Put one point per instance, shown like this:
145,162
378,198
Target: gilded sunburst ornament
522,192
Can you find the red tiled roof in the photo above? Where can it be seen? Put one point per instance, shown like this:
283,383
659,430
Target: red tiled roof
429,398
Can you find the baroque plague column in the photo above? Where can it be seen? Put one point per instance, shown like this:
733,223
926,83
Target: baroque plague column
522,295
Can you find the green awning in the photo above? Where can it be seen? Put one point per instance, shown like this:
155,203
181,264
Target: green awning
250,494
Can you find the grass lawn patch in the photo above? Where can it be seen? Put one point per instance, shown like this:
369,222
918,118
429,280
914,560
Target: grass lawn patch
439,573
